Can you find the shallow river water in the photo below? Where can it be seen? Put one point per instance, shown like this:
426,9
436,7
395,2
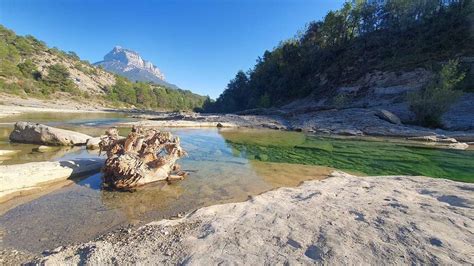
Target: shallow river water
224,165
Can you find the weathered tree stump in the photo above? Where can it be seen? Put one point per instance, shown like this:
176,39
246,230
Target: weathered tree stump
144,156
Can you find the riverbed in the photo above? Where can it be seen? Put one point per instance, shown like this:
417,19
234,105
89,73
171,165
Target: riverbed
224,165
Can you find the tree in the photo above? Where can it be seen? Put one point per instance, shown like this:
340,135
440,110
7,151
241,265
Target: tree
28,69
430,103
58,79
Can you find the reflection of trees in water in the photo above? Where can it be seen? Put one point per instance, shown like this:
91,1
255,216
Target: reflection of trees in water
157,196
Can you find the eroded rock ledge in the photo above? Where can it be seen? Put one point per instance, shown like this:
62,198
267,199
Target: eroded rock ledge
341,220
20,179
28,132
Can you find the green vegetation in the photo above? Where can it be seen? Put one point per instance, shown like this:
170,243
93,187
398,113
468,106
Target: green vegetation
58,79
347,44
153,96
356,156
20,75
430,103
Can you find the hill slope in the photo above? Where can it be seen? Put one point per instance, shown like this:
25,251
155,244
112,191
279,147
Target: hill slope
29,68
350,44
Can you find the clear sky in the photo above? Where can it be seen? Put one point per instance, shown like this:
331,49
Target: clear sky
198,44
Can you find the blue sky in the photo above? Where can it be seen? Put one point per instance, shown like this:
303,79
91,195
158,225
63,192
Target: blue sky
198,44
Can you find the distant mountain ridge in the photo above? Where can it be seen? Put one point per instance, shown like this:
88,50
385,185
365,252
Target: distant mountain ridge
130,64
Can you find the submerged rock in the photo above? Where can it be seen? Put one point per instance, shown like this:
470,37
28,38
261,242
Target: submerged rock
7,154
27,132
43,148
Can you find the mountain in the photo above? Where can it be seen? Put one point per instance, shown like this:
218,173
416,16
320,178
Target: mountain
131,65
31,69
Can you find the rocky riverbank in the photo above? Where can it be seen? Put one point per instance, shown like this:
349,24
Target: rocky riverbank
358,122
342,219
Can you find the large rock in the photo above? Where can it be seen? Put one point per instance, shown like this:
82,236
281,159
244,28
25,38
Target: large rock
342,220
18,178
27,132
388,116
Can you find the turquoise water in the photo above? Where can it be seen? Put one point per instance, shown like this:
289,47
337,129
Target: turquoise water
364,157
224,165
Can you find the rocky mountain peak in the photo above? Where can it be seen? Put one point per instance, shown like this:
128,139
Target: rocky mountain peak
130,64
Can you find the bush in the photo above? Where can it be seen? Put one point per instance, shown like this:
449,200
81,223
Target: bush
58,79
340,100
430,103
28,69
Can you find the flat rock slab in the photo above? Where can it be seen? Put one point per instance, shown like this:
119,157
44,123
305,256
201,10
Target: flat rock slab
27,132
337,221
178,123
19,178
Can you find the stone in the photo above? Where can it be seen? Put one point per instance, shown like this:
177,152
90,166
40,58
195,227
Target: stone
441,142
17,178
388,116
93,143
8,152
43,148
349,132
434,138
28,132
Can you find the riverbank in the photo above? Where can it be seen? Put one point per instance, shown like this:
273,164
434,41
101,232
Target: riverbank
14,105
318,120
355,122
342,219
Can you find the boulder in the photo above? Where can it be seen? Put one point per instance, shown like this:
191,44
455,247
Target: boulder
388,116
27,132
18,178
93,143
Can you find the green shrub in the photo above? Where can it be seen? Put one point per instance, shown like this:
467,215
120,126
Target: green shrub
58,79
431,102
28,69
340,100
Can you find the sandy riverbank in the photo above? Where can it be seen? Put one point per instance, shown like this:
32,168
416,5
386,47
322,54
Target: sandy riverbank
12,105
342,219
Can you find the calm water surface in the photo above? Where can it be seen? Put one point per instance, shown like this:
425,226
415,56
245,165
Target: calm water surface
224,166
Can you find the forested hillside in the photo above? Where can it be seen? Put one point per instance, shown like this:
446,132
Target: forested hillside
347,44
29,68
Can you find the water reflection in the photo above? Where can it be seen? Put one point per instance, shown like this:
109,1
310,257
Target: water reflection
80,211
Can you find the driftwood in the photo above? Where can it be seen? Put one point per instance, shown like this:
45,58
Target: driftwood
144,156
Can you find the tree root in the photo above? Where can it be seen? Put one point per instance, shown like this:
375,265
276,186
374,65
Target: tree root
144,156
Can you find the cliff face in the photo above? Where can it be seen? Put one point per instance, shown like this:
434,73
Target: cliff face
131,65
